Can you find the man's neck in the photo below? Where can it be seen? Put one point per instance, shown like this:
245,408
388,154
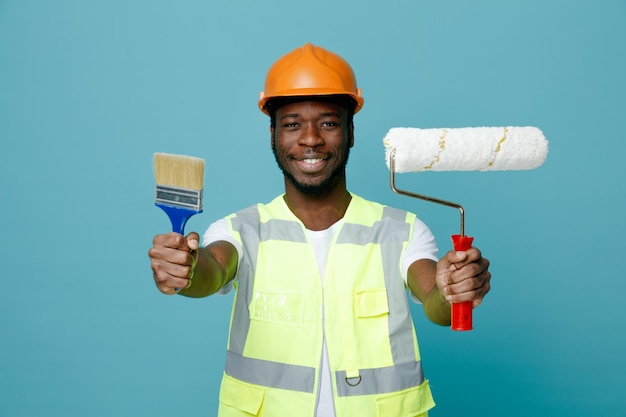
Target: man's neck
318,212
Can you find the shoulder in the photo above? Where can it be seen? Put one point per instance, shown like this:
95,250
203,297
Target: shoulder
383,210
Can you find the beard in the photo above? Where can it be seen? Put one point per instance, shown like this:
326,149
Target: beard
319,188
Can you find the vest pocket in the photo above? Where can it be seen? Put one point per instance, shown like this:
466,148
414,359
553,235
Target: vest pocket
371,303
238,399
412,402
280,307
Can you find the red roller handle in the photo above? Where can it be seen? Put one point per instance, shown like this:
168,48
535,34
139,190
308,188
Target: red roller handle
462,312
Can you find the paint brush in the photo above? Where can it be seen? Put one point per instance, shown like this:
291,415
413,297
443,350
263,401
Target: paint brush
178,187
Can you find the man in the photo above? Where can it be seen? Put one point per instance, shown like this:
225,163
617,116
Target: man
321,324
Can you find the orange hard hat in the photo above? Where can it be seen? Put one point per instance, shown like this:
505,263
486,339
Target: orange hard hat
310,71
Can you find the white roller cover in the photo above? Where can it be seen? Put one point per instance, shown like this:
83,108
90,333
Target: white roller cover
466,149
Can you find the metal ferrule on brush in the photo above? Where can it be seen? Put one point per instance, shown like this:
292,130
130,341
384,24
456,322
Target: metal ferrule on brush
179,197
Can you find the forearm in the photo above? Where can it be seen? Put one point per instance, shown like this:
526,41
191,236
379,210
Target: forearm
422,283
215,266
436,308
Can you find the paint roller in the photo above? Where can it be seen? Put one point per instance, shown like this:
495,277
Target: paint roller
462,149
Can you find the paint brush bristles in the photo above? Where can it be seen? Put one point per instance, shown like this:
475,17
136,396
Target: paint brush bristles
178,187
179,171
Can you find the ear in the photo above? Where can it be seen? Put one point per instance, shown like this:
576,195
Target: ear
351,135
272,137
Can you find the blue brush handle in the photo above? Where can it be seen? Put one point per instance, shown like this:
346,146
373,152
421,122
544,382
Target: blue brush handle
178,216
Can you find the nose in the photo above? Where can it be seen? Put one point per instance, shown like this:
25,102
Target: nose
311,136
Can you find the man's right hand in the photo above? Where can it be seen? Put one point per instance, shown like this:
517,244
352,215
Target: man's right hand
172,258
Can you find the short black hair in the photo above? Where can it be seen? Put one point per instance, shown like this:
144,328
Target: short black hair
342,100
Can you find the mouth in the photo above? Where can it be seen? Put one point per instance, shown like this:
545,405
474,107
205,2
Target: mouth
311,165
312,160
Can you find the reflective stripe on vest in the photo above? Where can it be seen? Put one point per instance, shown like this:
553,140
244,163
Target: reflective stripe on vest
406,371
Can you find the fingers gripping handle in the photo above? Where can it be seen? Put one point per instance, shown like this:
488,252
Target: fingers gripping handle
462,312
178,217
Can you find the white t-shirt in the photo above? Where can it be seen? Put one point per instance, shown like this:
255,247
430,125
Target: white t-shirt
422,246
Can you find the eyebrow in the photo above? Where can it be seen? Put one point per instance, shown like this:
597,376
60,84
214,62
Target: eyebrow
289,115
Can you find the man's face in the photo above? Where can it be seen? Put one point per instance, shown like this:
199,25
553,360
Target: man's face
311,143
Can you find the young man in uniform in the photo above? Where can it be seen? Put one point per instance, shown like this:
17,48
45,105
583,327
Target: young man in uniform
321,324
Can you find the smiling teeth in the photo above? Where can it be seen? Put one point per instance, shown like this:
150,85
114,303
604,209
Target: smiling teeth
312,161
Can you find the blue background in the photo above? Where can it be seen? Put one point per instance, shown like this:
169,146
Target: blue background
90,90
